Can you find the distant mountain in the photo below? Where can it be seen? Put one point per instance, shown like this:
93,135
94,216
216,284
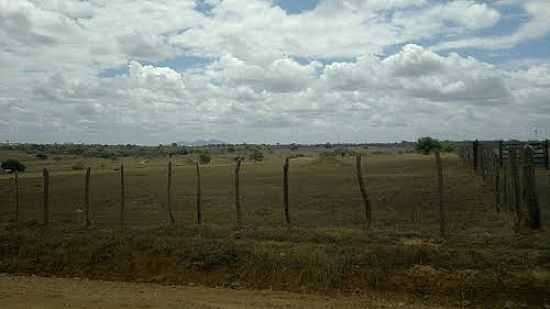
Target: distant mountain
201,142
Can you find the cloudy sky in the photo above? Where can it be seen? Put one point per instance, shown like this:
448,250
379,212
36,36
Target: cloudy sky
266,71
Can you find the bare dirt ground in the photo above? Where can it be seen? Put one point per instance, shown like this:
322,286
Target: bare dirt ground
39,292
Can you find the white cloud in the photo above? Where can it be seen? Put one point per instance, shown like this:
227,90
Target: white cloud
155,77
281,75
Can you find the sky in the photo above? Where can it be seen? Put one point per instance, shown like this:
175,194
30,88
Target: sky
268,71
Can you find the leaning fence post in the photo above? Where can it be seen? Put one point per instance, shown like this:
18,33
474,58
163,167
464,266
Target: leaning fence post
285,191
87,197
237,193
169,194
361,182
17,196
199,210
530,188
442,210
46,178
122,195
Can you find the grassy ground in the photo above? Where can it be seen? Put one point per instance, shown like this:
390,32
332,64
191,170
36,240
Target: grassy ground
326,249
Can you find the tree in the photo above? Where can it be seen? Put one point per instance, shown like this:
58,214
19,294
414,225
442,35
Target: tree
427,144
11,166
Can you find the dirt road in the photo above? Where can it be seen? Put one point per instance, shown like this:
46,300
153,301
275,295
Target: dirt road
37,292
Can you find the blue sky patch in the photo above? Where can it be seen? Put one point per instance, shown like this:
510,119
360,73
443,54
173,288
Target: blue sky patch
204,7
296,6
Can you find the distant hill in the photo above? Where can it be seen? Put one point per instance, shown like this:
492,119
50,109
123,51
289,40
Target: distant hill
201,142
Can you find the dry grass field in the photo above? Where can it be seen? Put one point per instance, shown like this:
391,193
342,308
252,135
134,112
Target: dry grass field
326,248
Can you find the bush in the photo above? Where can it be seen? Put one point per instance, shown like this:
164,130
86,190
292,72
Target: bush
425,145
256,155
11,166
204,158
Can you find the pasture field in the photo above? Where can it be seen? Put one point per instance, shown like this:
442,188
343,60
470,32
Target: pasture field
325,249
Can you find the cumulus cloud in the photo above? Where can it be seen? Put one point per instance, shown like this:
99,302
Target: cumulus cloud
452,78
281,75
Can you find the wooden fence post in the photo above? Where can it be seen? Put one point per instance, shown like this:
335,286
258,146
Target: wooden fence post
237,193
122,195
515,186
17,196
199,210
530,197
46,211
501,153
475,153
285,191
169,194
497,182
442,210
361,182
87,197
546,146
506,187
482,167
